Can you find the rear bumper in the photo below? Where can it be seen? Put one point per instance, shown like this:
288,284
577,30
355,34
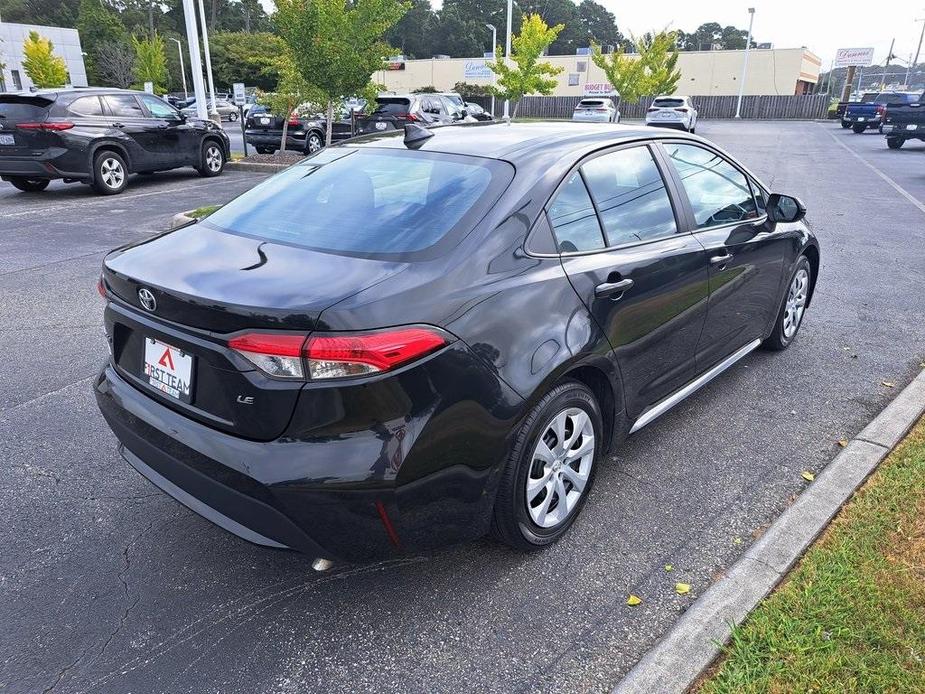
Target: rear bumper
675,125
33,167
271,140
901,131
596,118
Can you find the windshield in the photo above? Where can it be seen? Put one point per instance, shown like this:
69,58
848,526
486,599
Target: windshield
392,105
590,103
22,109
668,103
368,201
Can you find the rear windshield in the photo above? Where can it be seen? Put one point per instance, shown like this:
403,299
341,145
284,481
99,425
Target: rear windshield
590,102
392,105
18,109
369,202
668,103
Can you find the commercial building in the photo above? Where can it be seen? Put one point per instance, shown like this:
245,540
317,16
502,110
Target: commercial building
778,71
66,44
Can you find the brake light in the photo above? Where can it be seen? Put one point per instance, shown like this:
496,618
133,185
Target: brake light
881,110
293,119
407,116
101,287
59,125
601,110
681,110
337,355
653,109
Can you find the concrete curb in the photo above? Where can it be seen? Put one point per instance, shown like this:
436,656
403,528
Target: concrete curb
693,643
256,167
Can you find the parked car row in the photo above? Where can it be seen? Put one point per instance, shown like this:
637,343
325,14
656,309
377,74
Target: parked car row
900,116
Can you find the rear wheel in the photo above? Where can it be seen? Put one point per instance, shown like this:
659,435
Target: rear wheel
212,159
858,129
110,173
845,124
790,317
30,185
313,143
550,470
894,142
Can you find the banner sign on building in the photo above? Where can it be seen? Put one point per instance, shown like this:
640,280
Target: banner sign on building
599,89
477,70
859,57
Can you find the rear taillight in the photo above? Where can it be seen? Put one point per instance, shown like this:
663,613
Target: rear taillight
601,110
293,120
653,110
407,116
681,110
337,355
60,125
101,287
881,110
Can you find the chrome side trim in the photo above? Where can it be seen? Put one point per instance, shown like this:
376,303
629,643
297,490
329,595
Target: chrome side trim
660,408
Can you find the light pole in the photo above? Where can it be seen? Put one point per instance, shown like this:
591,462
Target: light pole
213,113
192,40
182,69
507,55
748,45
919,49
494,50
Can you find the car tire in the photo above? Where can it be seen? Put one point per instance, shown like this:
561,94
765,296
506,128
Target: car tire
30,185
211,159
845,124
313,143
858,129
793,307
894,142
528,513
110,173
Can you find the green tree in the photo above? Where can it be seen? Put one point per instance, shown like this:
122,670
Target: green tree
150,62
557,12
44,68
598,25
337,44
651,70
412,34
98,25
292,91
252,58
528,75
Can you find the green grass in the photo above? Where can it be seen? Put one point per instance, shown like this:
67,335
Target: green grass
201,212
851,616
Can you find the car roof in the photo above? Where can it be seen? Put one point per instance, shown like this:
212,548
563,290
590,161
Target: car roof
82,91
517,141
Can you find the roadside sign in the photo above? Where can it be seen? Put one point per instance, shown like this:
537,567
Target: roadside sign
859,57
599,89
149,87
477,70
240,97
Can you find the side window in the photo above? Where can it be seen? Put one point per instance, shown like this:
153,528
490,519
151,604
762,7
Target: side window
573,219
86,106
159,108
124,105
631,196
719,193
761,200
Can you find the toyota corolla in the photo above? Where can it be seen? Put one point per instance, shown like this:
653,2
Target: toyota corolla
405,342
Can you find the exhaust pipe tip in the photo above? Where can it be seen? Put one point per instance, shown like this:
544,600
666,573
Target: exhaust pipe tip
320,564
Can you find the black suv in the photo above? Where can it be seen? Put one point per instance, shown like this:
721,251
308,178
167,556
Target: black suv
100,136
394,111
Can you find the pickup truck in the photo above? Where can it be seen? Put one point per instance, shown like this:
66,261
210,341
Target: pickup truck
904,122
869,113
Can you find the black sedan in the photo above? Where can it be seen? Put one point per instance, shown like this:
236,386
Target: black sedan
406,342
100,136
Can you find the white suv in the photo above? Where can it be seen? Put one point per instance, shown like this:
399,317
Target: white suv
672,112
596,110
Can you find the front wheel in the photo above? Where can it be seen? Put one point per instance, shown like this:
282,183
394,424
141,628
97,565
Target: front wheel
30,185
313,143
894,142
791,313
550,469
858,129
845,124
110,173
212,159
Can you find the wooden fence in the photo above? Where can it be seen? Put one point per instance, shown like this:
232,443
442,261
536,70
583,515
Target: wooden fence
753,107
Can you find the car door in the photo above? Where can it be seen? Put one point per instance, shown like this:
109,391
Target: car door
86,112
139,132
627,253
746,253
177,143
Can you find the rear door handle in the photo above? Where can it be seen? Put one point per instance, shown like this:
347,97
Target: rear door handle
118,125
720,259
606,289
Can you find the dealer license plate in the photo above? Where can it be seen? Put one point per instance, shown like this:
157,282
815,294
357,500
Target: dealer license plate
168,369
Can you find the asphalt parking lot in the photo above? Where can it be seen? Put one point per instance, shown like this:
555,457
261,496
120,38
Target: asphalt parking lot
109,585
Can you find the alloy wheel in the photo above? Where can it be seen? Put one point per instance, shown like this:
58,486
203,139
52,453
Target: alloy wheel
560,467
314,143
112,172
213,158
796,302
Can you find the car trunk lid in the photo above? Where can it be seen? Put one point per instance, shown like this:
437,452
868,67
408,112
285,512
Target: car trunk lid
23,129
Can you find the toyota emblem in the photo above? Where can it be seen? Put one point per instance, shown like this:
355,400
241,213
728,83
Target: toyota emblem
147,299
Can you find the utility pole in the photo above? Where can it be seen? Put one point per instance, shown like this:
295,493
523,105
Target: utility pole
507,55
849,83
192,40
494,50
213,112
918,50
748,45
889,57
182,69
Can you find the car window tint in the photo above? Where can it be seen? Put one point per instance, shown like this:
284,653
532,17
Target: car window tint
158,108
761,201
86,106
124,105
668,103
718,192
630,195
368,202
573,218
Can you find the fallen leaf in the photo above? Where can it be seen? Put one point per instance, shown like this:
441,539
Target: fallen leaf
669,567
842,442
682,588
808,476
888,384
633,600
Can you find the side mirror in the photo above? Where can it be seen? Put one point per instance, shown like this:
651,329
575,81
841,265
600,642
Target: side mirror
785,208
464,113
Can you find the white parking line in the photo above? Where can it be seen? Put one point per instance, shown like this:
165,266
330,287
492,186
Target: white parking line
893,184
82,203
